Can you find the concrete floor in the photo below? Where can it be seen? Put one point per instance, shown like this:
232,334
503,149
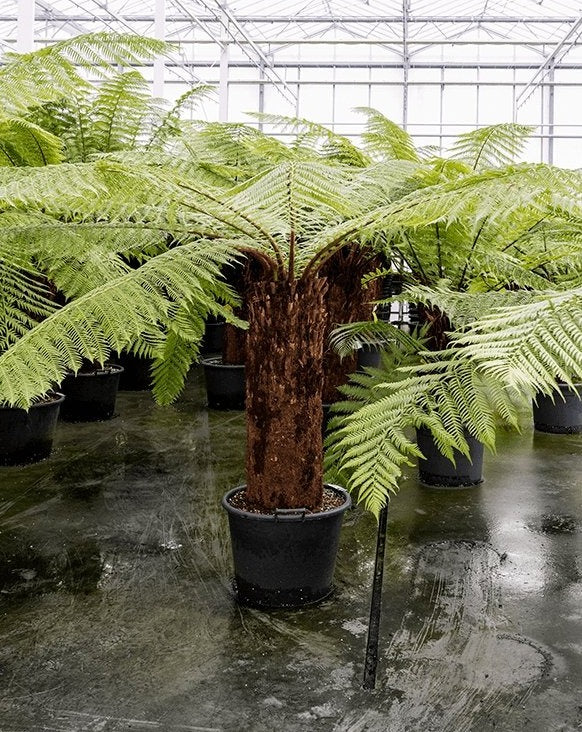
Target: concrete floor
117,611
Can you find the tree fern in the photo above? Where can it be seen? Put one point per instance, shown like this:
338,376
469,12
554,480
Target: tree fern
493,146
385,139
52,73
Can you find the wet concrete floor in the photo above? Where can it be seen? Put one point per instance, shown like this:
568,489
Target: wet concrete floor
116,607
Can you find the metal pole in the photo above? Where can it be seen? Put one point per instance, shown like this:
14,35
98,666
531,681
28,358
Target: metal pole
223,79
371,661
160,34
405,61
25,26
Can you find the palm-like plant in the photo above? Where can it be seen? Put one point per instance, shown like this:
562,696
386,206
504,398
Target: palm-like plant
290,219
473,238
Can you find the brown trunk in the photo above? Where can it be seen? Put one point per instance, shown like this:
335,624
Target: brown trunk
438,325
284,373
346,302
241,278
234,342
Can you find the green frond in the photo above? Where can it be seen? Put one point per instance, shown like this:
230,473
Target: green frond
313,138
347,338
170,124
493,146
119,110
385,138
52,73
110,318
529,346
25,143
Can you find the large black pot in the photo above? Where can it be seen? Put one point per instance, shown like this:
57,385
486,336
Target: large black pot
136,375
437,470
27,436
90,396
286,559
560,413
225,384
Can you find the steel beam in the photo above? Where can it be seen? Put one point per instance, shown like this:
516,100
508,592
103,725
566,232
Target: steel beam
553,57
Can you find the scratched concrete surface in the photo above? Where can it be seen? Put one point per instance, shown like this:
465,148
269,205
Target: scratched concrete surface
117,614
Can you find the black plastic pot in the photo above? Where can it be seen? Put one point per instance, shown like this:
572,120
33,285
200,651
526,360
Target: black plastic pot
286,559
561,414
213,337
369,356
225,384
90,396
27,436
136,375
437,470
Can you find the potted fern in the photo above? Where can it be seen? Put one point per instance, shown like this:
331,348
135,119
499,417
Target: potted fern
290,220
458,233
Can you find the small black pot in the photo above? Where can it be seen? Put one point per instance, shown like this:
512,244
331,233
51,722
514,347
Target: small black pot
225,384
90,396
27,436
136,375
562,414
286,559
437,470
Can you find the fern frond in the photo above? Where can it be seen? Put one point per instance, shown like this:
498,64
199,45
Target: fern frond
25,143
493,146
385,138
110,318
52,73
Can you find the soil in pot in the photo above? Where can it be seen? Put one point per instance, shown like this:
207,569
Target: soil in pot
27,436
436,470
91,394
225,383
287,558
560,413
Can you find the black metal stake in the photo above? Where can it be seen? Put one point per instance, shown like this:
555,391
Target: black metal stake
371,662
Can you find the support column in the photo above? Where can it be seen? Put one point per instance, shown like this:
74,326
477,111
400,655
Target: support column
548,128
405,61
25,26
223,79
160,34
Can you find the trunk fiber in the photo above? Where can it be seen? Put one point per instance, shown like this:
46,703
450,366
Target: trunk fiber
346,301
284,373
438,325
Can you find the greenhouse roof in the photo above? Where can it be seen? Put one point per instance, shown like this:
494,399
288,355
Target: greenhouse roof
373,20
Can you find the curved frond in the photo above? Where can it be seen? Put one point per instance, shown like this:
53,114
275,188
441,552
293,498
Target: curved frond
493,146
385,138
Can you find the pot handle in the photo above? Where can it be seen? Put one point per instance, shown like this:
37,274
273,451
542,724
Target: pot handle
290,514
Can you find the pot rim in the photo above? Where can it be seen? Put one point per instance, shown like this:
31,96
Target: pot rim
299,515
107,370
54,397
216,362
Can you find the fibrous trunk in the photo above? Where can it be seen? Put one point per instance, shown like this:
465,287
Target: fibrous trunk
284,372
346,301
438,327
241,277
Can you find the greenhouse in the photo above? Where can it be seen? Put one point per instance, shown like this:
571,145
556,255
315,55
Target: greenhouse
290,366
